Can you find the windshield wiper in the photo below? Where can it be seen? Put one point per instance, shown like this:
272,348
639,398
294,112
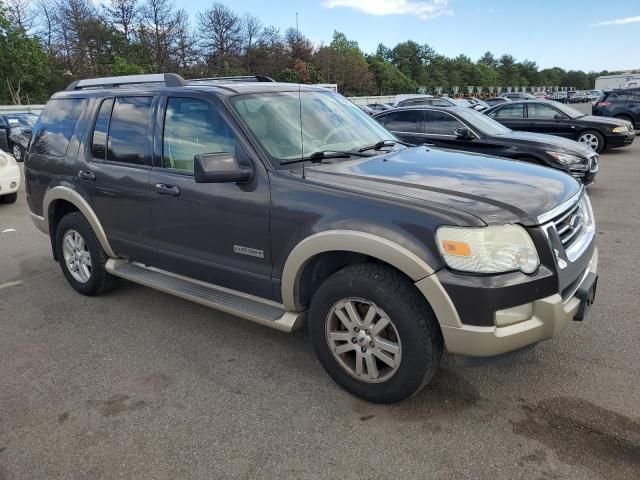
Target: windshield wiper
383,143
318,157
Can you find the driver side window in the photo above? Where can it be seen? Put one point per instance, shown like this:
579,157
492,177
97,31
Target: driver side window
193,127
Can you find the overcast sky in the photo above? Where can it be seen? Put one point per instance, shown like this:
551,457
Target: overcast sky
585,35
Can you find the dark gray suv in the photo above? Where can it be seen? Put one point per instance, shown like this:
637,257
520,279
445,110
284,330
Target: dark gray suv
279,203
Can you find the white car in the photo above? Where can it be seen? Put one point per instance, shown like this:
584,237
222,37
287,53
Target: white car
9,178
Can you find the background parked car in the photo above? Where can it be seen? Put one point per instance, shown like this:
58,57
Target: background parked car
379,107
560,97
579,97
543,116
594,95
9,178
15,132
622,104
366,110
464,129
542,95
495,101
518,96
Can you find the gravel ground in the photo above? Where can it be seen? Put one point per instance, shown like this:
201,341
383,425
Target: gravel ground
139,384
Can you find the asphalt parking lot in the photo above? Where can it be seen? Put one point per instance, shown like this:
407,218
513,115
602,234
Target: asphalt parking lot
139,384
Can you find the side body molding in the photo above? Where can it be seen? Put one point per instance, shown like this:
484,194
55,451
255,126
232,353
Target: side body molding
351,241
71,196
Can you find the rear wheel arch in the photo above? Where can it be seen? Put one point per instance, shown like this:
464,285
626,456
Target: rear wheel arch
626,116
61,200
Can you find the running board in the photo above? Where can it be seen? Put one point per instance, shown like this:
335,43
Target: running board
249,307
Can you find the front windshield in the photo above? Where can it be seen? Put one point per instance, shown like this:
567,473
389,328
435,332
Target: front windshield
569,111
24,121
330,122
485,124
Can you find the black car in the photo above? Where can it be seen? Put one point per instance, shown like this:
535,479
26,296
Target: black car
464,129
622,104
15,132
281,203
545,116
379,107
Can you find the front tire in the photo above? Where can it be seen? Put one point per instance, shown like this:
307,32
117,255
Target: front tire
592,139
81,256
374,333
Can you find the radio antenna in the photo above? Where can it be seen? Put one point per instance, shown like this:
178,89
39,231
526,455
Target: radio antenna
300,102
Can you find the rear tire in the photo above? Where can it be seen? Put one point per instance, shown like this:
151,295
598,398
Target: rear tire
9,198
81,256
593,139
398,346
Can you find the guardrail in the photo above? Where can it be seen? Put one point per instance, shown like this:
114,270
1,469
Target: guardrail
21,108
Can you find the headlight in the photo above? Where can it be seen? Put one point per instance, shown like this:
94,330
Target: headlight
622,129
493,249
567,159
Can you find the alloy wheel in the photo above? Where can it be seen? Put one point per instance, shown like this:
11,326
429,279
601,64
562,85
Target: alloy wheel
590,140
17,152
76,256
363,339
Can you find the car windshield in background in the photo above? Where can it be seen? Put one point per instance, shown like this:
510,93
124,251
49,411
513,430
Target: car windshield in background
24,121
486,125
570,111
330,122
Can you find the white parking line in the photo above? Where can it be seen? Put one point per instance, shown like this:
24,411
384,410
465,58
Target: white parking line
10,284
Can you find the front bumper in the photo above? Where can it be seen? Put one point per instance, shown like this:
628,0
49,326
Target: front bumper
550,315
620,140
10,183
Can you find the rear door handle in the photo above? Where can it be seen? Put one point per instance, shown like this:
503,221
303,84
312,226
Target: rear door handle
164,189
86,175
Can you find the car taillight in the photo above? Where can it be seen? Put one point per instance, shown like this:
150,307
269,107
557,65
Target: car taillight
603,104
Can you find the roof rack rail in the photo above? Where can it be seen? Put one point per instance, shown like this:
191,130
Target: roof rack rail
169,79
241,78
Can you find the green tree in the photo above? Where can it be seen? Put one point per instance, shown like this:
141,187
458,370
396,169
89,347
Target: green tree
389,80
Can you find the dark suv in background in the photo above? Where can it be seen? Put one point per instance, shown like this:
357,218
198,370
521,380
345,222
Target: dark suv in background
279,203
622,104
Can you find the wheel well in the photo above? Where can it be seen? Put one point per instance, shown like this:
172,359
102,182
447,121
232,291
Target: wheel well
626,116
595,130
323,265
57,210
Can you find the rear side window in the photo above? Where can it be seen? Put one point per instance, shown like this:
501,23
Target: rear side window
128,130
510,111
54,128
406,121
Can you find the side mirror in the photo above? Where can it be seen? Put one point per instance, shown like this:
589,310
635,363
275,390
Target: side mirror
219,168
463,133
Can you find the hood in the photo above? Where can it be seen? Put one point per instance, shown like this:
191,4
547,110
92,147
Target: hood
495,190
546,141
608,121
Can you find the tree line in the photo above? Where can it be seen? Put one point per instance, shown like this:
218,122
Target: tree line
45,44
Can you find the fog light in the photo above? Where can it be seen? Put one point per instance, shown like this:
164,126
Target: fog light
512,315
13,185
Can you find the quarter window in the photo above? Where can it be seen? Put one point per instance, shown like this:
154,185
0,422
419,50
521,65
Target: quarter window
439,123
405,121
193,127
128,130
54,128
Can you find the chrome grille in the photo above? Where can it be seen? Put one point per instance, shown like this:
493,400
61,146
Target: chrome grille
569,224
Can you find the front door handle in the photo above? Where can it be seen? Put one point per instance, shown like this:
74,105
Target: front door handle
86,175
164,189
